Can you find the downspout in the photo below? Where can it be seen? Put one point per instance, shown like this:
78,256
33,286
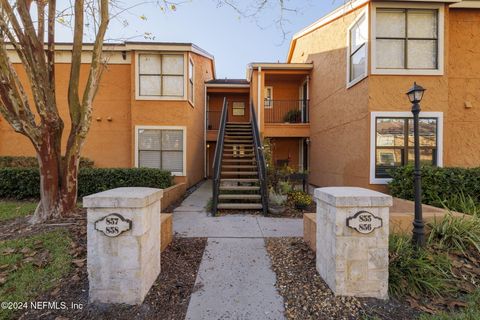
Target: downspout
205,155
259,97
307,116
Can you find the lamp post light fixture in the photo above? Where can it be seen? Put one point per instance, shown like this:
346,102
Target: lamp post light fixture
415,95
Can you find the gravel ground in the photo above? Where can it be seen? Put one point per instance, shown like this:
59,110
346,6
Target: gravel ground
167,299
307,296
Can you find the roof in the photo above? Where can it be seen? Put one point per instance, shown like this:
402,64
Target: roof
277,66
355,4
134,45
228,81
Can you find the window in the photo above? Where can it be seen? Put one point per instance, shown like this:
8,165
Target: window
408,40
161,149
238,108
357,51
160,75
394,143
191,95
268,98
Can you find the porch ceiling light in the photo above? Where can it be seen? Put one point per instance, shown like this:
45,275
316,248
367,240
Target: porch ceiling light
415,94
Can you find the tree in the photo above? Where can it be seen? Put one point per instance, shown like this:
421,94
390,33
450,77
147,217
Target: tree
23,26
44,127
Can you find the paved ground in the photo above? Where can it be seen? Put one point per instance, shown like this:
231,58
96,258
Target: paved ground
190,219
235,279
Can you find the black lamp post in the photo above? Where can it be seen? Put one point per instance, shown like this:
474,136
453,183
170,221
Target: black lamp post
415,95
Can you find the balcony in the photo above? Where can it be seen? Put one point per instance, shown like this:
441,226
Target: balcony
286,111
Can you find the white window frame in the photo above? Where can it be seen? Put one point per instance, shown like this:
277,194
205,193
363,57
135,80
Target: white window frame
270,106
401,114
441,38
191,65
363,13
183,128
233,108
167,98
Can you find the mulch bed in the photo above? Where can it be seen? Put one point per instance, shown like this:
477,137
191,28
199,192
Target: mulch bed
167,299
307,296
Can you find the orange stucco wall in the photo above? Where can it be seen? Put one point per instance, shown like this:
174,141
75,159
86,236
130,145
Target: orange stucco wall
339,131
462,128
286,149
111,140
112,101
340,117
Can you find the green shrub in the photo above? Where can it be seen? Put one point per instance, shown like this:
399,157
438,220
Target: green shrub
459,234
293,116
416,271
462,203
439,185
23,183
32,162
300,198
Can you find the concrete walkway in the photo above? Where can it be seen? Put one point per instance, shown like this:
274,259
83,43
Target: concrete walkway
191,219
235,279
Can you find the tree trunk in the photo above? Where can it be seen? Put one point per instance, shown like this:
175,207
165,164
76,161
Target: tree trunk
58,190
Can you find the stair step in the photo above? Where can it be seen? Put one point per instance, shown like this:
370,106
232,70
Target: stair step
238,167
246,155
239,173
238,180
239,196
237,140
240,206
239,133
239,160
238,151
239,188
227,137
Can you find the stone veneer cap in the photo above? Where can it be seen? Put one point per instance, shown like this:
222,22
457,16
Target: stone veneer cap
123,198
352,197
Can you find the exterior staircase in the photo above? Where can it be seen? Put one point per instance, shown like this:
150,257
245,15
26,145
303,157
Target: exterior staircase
239,189
239,181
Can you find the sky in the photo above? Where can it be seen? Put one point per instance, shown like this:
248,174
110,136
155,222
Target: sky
234,40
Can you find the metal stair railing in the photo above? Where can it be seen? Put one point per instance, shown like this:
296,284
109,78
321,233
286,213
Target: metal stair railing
217,162
258,149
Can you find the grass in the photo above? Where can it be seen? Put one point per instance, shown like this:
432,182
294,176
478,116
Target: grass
452,233
417,272
15,209
26,280
471,312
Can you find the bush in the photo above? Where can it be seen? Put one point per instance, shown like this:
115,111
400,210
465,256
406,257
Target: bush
32,162
440,186
24,183
416,271
459,234
300,198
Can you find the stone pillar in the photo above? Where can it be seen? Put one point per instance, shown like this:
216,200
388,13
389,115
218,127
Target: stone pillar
352,240
123,244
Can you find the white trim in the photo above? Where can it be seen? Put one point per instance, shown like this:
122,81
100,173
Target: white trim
192,64
184,172
165,98
470,4
224,85
265,97
349,6
441,38
362,15
402,114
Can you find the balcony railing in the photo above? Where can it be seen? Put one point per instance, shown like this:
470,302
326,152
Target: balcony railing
286,111
213,119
